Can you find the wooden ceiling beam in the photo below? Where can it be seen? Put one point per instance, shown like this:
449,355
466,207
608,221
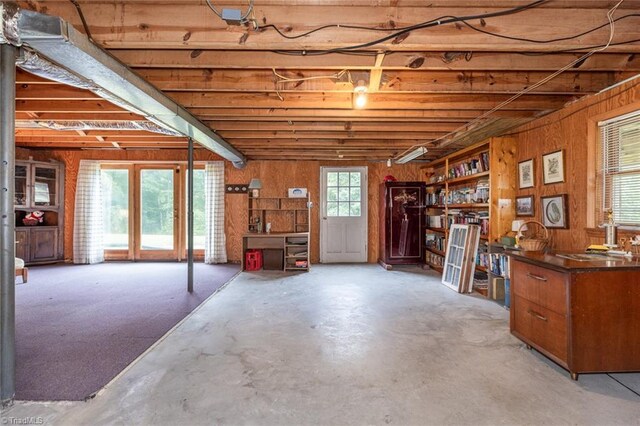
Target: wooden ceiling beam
375,101
77,138
556,4
338,126
83,116
420,60
391,81
70,106
299,135
293,114
194,26
96,145
54,133
52,91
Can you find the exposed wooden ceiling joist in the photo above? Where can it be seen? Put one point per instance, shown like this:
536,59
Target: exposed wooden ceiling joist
421,87
193,26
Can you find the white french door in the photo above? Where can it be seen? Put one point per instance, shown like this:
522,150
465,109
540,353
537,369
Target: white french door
145,211
343,213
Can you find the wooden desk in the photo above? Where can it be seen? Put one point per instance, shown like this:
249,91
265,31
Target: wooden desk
294,246
584,315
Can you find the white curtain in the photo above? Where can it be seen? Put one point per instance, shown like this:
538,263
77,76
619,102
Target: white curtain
88,228
215,248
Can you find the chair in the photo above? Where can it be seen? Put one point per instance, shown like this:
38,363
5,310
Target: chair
21,270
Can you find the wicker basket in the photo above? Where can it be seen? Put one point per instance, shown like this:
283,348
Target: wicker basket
535,242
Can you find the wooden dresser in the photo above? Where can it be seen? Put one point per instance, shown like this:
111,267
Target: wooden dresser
584,315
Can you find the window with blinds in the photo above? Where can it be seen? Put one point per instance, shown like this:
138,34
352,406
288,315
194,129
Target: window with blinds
619,174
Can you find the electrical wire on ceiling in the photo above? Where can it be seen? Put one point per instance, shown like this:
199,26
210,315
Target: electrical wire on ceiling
84,21
443,20
401,30
335,76
446,19
284,79
501,105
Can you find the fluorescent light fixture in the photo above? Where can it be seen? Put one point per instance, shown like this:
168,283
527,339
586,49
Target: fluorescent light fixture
412,155
360,95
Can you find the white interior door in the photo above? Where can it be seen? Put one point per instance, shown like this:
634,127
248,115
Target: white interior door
343,212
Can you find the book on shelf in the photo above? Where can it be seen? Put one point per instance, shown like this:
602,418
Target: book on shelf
434,259
435,221
435,241
435,198
477,164
462,217
499,264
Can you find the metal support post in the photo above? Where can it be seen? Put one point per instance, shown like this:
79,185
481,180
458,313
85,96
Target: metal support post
7,222
190,218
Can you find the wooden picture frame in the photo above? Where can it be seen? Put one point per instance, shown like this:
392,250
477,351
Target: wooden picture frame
554,211
553,167
526,176
525,205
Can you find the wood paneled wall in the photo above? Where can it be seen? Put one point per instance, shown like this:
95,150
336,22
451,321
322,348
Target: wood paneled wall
276,177
574,130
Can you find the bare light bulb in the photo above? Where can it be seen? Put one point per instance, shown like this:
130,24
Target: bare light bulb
360,91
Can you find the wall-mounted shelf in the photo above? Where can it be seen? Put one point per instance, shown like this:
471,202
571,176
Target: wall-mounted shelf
288,242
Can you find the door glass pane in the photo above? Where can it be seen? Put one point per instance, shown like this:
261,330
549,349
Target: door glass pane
345,188
199,220
20,198
44,187
343,194
332,179
343,179
115,196
156,209
343,209
355,209
332,194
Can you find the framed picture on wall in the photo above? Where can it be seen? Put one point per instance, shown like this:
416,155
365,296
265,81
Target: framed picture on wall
553,167
525,174
554,211
525,206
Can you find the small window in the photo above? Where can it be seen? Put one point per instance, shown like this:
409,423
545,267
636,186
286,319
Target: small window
619,174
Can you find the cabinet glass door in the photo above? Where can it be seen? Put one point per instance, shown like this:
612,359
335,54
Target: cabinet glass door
21,191
45,187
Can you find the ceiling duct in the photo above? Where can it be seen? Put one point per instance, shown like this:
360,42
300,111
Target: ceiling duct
146,126
57,51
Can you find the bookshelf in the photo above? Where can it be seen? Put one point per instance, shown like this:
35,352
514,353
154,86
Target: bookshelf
475,185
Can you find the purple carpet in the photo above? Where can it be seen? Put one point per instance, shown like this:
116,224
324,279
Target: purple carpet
77,327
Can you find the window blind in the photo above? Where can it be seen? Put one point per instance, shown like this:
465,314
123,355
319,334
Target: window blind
619,186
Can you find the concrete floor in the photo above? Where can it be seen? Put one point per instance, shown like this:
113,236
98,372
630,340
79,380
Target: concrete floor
346,345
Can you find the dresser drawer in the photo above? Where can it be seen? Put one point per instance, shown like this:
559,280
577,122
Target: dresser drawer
541,327
541,286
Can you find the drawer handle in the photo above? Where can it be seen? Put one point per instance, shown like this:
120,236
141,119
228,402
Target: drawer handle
537,315
536,277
